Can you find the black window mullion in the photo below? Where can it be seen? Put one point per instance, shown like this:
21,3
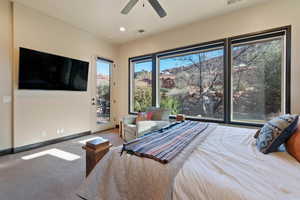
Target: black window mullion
227,81
185,51
130,85
256,37
288,37
154,81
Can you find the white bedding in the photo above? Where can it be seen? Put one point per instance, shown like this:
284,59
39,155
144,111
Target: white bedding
227,166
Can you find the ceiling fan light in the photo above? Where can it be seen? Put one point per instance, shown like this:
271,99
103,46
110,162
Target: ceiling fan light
122,29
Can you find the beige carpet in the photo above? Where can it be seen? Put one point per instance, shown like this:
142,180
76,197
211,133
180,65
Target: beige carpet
46,177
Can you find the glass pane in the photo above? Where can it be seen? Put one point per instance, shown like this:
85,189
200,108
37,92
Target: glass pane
193,84
142,86
103,91
257,80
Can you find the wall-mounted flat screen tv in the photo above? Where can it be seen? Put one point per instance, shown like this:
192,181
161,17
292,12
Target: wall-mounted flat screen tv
44,71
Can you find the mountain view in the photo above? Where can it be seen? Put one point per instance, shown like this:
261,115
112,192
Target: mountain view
194,84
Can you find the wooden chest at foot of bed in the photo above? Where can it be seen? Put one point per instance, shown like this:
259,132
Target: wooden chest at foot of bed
94,155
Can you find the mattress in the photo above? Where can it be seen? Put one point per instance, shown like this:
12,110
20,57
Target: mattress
228,166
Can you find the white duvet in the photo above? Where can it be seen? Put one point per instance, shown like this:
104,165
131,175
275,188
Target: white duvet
227,166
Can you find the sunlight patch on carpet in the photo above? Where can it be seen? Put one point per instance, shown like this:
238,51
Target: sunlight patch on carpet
53,152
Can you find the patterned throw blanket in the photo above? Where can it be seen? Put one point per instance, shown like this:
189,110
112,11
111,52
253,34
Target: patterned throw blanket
164,144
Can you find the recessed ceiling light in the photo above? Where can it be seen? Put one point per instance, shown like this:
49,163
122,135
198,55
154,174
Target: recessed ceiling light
141,31
122,29
229,2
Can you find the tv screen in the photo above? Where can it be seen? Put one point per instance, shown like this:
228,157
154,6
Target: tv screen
43,71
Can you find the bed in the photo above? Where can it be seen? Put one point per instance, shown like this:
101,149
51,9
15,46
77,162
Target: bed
224,165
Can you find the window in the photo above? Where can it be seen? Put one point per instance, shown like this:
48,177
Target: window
103,90
193,84
141,97
257,79
238,80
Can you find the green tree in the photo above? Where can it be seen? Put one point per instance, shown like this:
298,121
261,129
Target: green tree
142,98
103,91
257,80
171,103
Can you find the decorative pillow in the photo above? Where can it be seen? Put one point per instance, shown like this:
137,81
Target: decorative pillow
141,116
276,132
257,133
149,115
157,114
161,114
293,144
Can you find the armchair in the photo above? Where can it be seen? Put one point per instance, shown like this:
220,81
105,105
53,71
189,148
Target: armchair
132,130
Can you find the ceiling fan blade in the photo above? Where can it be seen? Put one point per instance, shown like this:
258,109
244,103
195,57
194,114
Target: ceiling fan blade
129,6
157,7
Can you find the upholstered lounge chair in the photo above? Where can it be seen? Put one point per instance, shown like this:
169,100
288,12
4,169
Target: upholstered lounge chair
132,130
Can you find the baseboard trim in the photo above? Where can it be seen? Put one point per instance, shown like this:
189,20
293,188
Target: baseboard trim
6,152
49,142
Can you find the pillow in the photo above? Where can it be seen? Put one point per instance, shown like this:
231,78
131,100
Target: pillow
276,132
141,117
149,115
257,133
293,144
161,114
165,115
157,115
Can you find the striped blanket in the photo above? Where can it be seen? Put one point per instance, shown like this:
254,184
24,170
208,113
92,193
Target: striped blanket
164,144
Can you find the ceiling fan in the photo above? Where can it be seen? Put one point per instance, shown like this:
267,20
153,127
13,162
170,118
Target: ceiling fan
154,3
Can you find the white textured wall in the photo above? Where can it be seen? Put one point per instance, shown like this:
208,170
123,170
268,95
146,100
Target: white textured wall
5,74
38,112
274,14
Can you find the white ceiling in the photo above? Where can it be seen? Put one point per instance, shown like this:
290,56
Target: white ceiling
103,19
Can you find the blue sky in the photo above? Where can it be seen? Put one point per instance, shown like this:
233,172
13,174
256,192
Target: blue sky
165,63
168,63
102,68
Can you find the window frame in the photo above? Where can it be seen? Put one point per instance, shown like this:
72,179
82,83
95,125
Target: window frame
131,80
283,70
227,43
257,36
208,47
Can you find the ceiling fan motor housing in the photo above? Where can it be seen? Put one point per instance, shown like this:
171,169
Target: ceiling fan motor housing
154,3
